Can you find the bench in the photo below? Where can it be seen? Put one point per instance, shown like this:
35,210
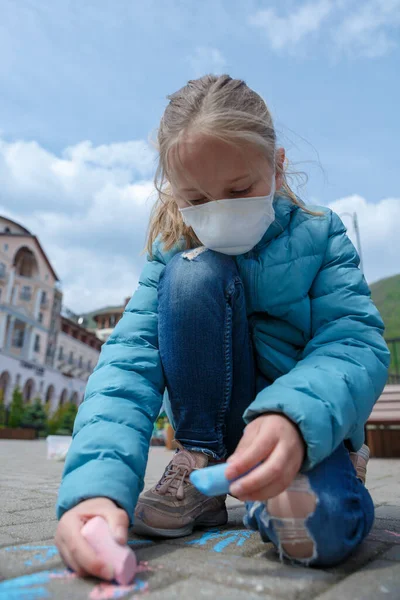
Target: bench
383,425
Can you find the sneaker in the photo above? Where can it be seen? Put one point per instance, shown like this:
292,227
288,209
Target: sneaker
174,507
360,460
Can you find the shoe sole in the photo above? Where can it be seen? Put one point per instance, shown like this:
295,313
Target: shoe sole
213,520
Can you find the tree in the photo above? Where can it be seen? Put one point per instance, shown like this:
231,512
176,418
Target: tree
35,416
16,409
68,418
62,421
2,409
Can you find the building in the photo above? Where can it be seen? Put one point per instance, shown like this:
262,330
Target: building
42,352
102,321
77,350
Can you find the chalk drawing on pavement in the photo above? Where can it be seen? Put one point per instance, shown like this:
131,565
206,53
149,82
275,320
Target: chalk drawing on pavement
223,539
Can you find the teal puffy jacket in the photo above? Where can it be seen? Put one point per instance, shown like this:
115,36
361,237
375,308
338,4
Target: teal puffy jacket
317,335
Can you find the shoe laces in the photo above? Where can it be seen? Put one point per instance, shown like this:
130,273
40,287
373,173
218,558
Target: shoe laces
173,481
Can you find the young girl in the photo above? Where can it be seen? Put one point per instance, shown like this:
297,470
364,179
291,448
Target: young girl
250,310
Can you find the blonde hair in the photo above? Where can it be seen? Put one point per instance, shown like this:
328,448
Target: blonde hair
219,106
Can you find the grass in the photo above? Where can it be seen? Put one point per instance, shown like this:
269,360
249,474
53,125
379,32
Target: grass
386,295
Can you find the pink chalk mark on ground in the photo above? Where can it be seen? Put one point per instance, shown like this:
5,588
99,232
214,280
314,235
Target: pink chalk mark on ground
392,533
66,574
110,591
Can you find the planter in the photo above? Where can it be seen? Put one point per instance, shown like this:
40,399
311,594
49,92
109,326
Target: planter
17,433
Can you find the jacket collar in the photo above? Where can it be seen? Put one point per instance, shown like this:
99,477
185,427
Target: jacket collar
283,207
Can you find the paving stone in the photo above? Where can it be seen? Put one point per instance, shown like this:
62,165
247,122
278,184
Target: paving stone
387,511
196,589
31,532
385,530
30,502
276,579
27,516
379,579
230,562
368,551
225,540
16,560
8,538
60,584
393,524
392,554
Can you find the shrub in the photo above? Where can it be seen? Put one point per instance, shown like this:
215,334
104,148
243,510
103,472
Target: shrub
16,409
62,421
35,416
2,409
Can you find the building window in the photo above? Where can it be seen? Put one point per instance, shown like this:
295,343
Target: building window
89,365
18,338
26,293
60,353
80,364
5,247
71,358
2,270
36,347
40,317
43,300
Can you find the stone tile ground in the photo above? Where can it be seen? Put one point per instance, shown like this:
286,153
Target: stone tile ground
230,562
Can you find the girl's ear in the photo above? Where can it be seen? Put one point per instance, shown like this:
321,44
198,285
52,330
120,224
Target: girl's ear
279,168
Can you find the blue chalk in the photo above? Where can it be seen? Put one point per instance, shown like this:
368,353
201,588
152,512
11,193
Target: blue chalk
211,481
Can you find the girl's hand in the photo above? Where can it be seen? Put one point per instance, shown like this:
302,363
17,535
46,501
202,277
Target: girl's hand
274,441
75,550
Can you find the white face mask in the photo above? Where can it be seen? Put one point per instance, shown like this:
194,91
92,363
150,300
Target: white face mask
232,226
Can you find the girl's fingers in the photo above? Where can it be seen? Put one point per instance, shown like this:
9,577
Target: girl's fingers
258,450
265,493
119,523
83,554
70,561
274,472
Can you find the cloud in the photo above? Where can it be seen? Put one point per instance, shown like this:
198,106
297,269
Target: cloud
287,32
205,60
378,225
89,207
367,29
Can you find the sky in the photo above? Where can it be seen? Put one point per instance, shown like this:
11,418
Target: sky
83,86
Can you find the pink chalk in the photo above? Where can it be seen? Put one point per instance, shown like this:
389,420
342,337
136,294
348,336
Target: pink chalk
121,558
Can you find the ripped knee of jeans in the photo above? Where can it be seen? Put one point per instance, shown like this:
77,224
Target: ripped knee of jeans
288,513
192,254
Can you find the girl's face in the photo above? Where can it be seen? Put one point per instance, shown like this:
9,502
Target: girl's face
210,169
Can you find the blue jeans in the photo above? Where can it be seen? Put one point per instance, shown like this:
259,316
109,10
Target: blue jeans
211,378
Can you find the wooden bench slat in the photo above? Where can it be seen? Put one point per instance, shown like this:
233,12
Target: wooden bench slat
393,416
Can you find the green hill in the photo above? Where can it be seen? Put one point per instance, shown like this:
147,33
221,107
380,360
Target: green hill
386,295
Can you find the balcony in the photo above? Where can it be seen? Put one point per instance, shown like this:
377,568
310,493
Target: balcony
25,296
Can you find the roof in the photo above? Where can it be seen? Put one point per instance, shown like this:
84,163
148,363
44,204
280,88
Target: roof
42,252
107,310
26,232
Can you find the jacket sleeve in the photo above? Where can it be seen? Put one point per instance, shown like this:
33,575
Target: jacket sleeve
344,367
112,431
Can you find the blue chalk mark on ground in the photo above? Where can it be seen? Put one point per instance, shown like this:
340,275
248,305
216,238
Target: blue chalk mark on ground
139,542
26,587
43,553
225,538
